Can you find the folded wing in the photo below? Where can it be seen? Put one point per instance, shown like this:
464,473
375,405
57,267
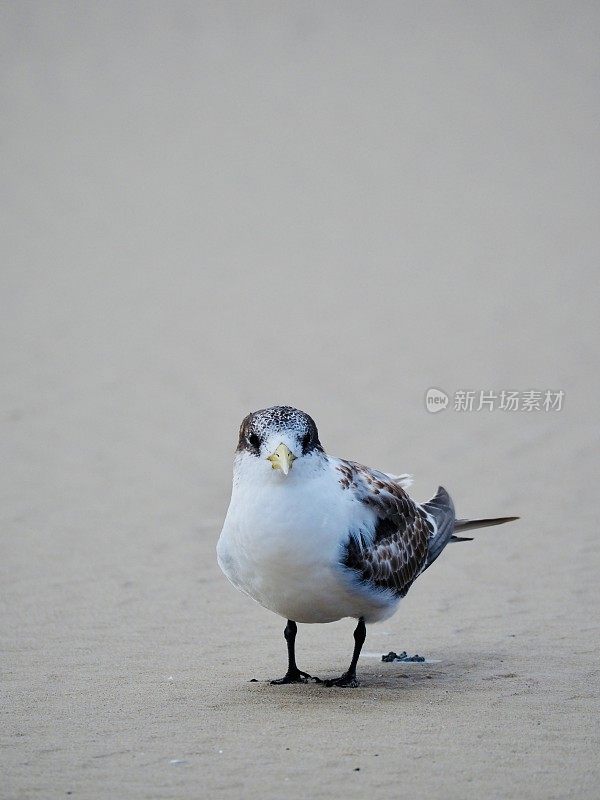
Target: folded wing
397,552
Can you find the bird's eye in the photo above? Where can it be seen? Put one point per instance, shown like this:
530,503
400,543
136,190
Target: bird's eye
305,441
254,441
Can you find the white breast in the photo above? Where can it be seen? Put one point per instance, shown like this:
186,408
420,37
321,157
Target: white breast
282,541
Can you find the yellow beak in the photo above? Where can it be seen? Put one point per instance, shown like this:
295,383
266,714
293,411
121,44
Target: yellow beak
282,459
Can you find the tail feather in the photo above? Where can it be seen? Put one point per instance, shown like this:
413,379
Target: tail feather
441,509
469,524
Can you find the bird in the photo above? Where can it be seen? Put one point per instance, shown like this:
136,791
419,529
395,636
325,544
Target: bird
316,539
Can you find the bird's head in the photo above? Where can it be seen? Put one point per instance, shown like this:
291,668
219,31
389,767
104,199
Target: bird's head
279,439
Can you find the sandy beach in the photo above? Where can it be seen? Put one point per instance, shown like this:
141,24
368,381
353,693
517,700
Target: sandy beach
210,208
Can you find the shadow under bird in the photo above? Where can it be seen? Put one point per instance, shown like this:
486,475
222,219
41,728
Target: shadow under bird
316,538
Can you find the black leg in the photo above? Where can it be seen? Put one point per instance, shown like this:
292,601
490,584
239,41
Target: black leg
293,674
349,679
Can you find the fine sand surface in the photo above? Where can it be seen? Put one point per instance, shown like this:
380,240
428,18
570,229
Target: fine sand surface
213,207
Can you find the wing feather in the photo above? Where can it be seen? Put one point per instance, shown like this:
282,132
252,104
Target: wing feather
397,552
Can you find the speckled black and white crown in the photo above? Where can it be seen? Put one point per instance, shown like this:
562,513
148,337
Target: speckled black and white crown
259,424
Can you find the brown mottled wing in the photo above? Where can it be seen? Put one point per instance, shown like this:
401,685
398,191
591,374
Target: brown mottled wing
398,552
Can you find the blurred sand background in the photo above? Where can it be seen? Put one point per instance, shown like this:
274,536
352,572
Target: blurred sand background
212,207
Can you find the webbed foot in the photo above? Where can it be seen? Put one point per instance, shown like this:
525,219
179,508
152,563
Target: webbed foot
347,681
295,676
